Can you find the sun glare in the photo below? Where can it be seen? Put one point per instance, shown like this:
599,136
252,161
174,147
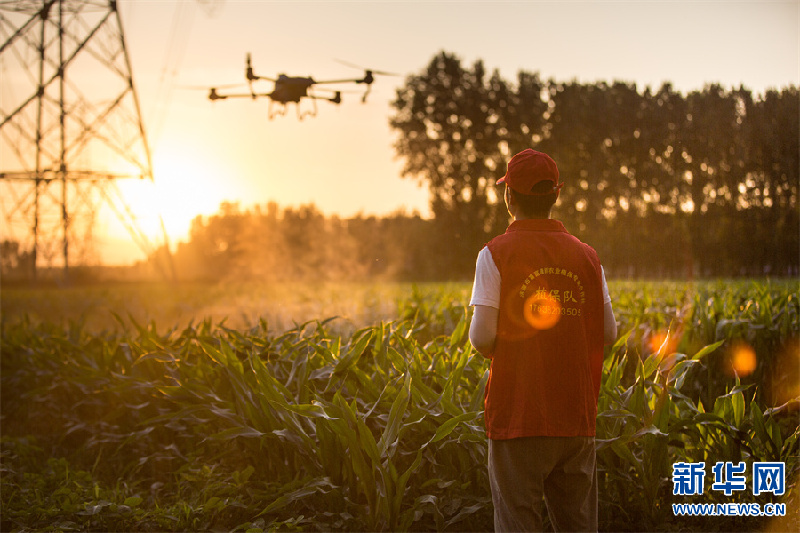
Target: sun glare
542,312
743,359
185,185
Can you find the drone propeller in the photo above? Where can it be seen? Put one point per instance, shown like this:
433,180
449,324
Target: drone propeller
248,69
206,87
370,71
248,72
369,76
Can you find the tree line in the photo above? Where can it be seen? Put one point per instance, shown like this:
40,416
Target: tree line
660,183
276,244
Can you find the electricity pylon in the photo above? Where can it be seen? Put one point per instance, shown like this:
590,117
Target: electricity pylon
71,127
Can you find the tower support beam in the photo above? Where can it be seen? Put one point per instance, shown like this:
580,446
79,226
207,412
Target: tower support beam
69,116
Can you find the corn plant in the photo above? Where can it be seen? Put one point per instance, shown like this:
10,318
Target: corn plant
321,426
663,412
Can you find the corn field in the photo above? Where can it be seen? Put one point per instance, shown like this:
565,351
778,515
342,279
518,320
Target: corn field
316,427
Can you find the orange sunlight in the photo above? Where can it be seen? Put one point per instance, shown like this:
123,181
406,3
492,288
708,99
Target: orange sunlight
187,183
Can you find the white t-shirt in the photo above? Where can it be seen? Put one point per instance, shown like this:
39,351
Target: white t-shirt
486,288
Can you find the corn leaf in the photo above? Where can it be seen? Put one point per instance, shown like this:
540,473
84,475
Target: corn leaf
707,350
447,427
396,413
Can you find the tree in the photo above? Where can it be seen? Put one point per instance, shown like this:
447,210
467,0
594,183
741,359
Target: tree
14,262
453,134
773,135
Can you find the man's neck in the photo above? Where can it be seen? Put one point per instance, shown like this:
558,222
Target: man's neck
521,216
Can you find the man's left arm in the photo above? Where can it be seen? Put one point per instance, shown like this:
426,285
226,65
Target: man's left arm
609,321
609,324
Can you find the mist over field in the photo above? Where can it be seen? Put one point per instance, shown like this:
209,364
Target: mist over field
240,304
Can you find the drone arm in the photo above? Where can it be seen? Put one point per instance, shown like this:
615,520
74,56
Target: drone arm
214,95
336,98
346,80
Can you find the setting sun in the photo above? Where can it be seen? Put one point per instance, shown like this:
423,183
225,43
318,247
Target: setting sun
185,185
188,185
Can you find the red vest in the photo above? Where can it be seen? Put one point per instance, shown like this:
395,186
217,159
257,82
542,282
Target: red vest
544,377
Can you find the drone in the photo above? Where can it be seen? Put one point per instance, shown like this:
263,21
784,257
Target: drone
292,89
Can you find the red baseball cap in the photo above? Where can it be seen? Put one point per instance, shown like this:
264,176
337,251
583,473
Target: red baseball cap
528,168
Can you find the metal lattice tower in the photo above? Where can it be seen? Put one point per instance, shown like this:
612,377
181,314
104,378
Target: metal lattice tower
71,127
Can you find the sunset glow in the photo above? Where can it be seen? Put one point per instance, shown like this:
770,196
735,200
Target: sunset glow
188,185
343,159
185,185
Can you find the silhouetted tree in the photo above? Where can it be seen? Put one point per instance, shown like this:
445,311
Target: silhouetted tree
453,137
14,261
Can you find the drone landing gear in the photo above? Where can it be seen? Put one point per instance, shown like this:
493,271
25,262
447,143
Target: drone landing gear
279,109
302,115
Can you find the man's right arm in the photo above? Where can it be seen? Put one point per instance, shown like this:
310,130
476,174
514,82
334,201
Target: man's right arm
483,329
485,301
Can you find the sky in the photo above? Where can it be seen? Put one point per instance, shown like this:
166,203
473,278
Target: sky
342,160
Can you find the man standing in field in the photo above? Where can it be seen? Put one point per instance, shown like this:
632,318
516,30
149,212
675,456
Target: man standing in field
542,314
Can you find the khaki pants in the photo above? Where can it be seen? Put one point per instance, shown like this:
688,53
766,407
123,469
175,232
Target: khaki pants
560,470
